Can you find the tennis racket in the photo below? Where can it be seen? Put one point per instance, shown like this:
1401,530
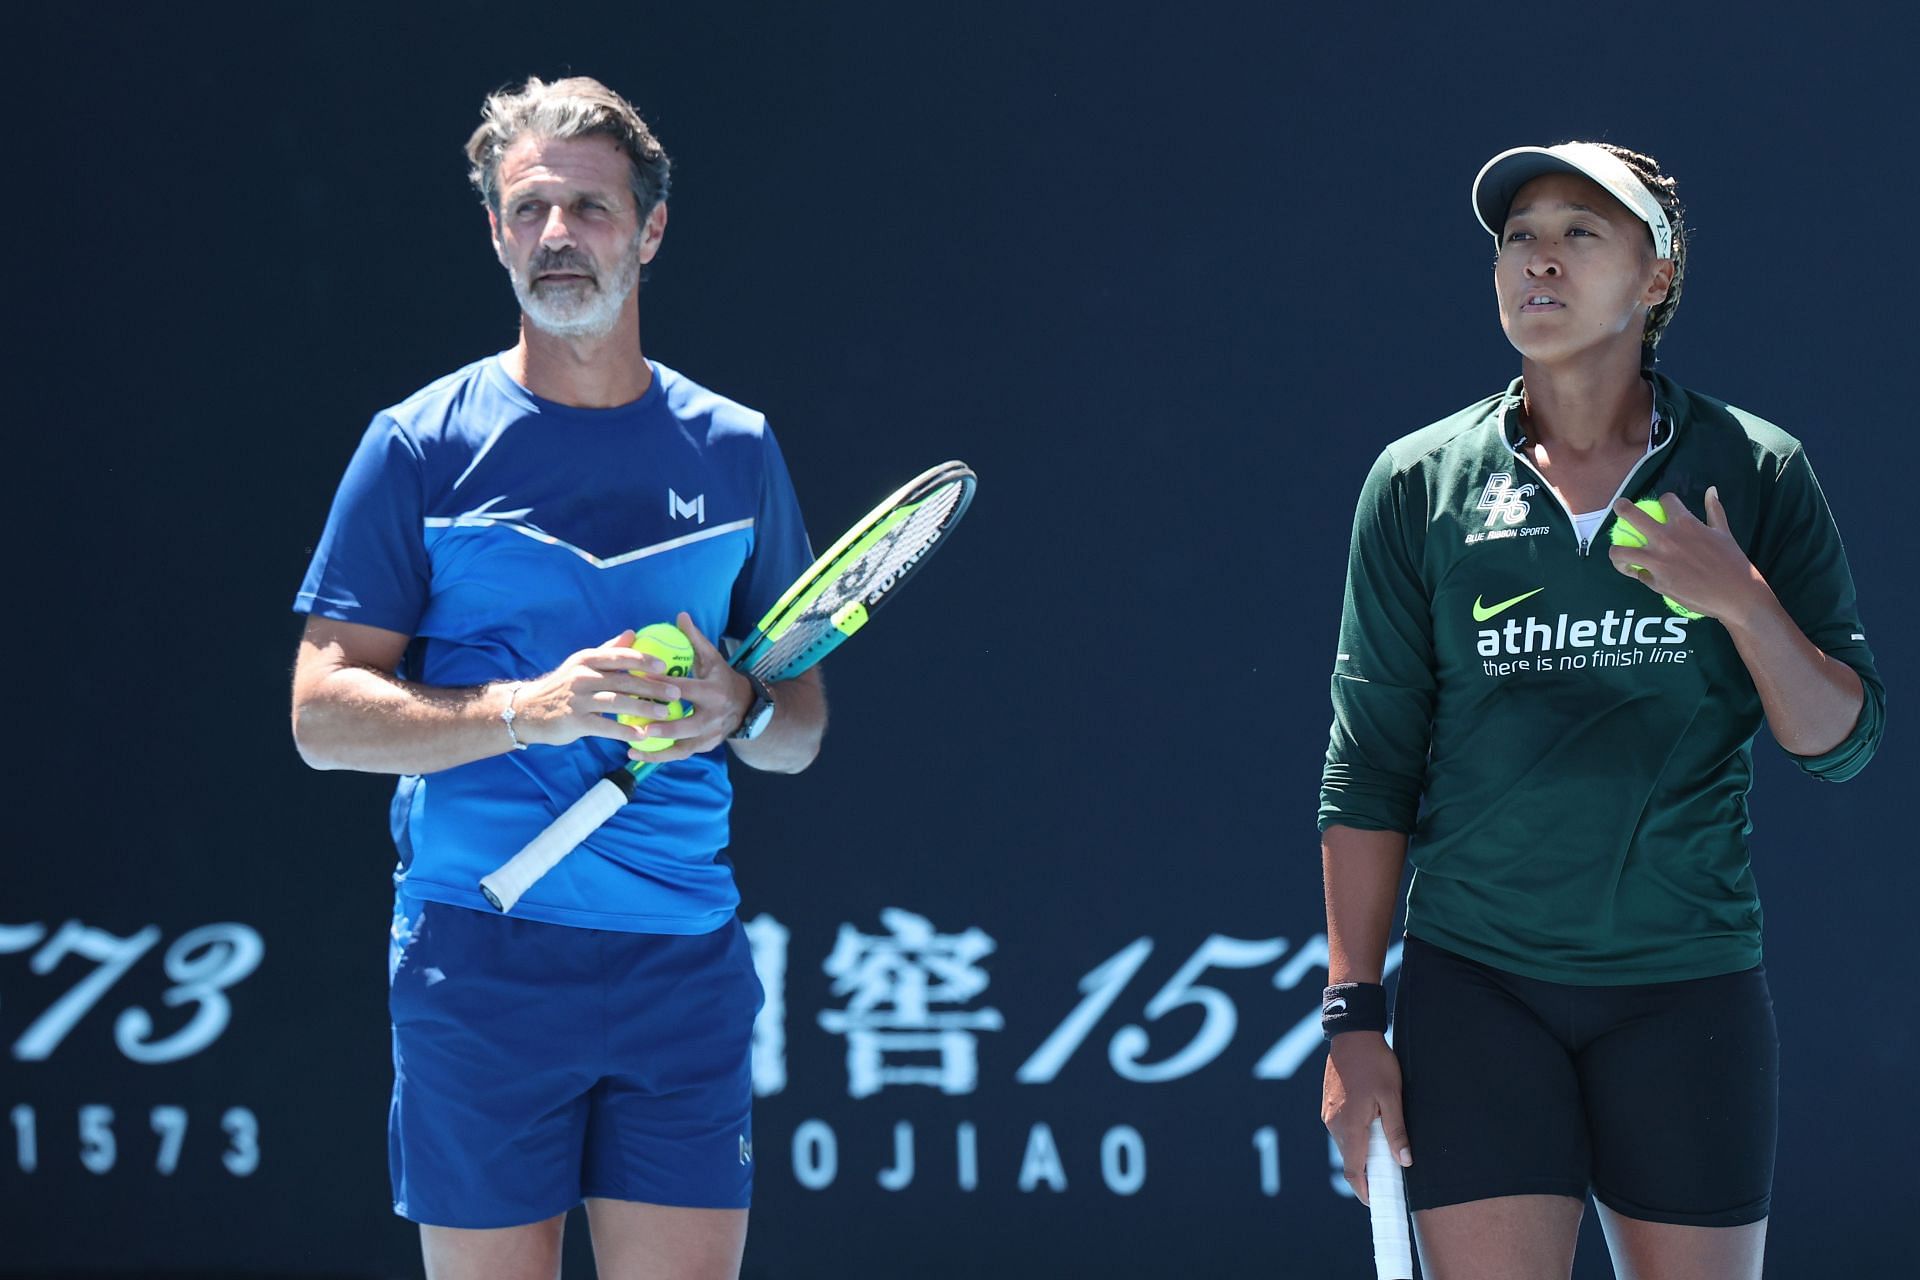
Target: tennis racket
830,601
1387,1202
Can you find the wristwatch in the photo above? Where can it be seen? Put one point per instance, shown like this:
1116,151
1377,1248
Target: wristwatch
759,711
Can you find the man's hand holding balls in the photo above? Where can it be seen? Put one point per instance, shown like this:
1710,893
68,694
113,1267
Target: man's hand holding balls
668,643
711,696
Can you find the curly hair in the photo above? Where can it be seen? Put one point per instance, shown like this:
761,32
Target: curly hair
577,107
1666,194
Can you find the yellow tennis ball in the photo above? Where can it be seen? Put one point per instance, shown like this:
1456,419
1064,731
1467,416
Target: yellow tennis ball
1625,535
668,643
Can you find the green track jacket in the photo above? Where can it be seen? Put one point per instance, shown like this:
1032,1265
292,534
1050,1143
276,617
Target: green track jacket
1571,758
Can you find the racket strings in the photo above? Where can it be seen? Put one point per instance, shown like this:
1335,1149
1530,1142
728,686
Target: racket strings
880,561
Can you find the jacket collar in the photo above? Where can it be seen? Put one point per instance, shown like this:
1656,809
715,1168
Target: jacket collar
1669,407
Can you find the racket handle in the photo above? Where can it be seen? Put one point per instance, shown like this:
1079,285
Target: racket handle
1387,1201
517,874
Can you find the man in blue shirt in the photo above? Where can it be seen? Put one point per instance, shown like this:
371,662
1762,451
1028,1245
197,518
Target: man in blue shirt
495,542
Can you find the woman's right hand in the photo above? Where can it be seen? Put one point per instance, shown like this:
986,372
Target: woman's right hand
1362,1081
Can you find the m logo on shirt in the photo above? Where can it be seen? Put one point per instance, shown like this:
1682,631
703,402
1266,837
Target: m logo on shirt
695,508
1502,501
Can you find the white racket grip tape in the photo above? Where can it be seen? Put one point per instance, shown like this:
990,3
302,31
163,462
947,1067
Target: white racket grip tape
1387,1201
517,874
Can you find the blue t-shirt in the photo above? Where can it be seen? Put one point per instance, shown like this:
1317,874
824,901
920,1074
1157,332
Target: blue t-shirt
504,532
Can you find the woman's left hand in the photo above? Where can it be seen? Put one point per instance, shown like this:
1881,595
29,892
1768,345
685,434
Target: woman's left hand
1698,565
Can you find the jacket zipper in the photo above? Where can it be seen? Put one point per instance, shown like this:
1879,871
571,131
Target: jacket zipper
1585,543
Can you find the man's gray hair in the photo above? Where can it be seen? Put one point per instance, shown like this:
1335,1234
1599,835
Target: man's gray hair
577,107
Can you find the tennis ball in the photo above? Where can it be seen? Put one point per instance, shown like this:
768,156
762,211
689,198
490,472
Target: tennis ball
668,643
1625,535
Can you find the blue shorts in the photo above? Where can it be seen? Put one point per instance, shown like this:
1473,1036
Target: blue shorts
536,1065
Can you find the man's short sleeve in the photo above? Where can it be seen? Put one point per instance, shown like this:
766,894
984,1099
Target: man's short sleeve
371,564
780,548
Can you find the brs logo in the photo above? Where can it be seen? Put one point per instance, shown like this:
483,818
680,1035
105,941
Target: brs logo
1502,502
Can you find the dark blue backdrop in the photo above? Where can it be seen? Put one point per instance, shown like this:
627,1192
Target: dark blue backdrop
1168,280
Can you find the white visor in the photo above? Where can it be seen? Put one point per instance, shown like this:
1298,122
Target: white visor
1502,177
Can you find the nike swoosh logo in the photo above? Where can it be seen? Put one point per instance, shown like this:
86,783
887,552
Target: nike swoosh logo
1481,612
1336,1005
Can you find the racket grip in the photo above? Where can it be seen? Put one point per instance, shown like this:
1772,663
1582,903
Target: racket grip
543,853
1387,1201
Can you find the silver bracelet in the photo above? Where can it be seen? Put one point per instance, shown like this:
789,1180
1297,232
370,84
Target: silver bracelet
509,715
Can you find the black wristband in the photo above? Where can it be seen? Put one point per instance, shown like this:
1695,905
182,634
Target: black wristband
1353,1006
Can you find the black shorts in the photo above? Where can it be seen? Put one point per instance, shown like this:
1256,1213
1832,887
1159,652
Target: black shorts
1660,1099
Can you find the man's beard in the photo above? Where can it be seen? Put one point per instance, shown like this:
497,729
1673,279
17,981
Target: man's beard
584,309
